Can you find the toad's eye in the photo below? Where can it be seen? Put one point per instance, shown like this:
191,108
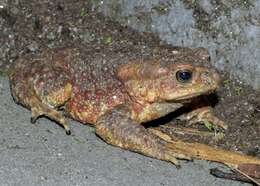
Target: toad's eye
184,76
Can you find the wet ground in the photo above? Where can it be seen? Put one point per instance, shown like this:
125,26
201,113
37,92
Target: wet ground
29,26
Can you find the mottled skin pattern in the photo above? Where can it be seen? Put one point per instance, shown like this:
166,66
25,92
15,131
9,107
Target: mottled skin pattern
116,96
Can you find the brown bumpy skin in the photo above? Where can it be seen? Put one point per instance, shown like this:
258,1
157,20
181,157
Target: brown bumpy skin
117,96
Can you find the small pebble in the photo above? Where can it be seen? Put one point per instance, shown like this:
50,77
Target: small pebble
33,47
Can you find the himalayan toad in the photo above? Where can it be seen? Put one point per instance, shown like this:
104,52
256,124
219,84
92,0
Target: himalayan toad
117,97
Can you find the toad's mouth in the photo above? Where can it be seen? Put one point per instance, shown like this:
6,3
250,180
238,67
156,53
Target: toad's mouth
188,98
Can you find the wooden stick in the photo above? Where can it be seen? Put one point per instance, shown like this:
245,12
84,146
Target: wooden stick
205,152
247,176
246,165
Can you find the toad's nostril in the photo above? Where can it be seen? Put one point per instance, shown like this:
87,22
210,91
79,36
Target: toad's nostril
205,75
207,78
210,77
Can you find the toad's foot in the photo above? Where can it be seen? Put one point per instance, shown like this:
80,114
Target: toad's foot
203,115
117,128
40,109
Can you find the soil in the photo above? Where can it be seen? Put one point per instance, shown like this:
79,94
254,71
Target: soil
28,26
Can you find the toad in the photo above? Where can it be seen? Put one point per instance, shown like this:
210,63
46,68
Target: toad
115,96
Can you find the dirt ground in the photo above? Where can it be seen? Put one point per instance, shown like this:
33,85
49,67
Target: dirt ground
28,26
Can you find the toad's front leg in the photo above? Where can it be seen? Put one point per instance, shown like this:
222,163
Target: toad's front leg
203,115
118,129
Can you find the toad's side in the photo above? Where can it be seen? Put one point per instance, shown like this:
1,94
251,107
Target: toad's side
116,97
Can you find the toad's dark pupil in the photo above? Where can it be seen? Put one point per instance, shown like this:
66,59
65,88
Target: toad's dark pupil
183,75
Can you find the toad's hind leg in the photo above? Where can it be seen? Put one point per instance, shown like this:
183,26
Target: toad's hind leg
118,129
42,89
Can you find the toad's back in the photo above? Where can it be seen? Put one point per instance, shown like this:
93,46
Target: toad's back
94,90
